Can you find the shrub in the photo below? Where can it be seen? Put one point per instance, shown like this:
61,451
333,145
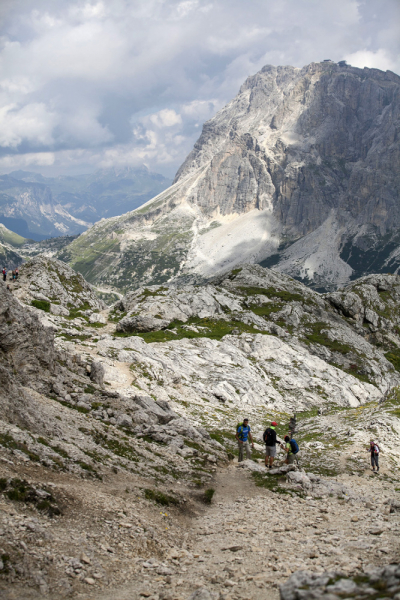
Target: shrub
41,305
208,495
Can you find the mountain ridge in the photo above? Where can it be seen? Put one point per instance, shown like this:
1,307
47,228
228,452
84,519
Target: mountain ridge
68,205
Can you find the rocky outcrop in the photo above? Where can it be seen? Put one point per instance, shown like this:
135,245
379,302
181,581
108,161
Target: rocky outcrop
154,308
52,281
376,582
299,170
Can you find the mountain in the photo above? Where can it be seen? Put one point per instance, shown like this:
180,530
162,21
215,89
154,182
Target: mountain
80,200
28,208
299,171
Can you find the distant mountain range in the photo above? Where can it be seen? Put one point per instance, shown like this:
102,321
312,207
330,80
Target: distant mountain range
39,207
300,171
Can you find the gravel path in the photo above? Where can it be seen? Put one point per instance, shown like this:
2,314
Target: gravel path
250,540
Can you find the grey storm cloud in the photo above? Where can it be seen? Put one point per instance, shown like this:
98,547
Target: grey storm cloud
89,84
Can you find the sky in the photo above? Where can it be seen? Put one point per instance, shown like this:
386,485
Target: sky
119,83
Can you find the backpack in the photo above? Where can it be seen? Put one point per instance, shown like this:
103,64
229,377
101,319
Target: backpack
268,437
239,429
376,449
294,446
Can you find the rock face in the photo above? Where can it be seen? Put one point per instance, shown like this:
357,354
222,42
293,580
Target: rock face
298,171
52,281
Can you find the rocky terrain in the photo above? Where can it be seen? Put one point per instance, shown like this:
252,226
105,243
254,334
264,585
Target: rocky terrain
118,469
299,171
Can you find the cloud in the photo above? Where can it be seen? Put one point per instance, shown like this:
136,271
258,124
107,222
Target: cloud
32,122
373,60
89,82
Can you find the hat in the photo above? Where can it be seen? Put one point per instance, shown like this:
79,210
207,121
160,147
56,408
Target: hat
274,424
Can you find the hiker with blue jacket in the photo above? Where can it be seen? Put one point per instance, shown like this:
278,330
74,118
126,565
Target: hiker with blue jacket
243,435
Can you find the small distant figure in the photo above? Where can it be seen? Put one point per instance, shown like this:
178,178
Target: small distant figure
270,444
292,424
9,289
4,274
291,448
243,434
374,451
13,274
16,273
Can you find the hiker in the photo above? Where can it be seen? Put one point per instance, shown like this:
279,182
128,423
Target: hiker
291,448
270,441
13,274
4,274
16,273
374,450
242,433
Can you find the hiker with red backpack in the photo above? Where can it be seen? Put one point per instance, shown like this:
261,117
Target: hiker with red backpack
4,274
374,450
270,441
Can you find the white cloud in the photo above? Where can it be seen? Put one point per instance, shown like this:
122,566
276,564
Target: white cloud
32,122
164,118
373,60
78,76
21,161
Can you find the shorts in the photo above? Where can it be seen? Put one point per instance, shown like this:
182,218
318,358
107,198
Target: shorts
270,451
291,458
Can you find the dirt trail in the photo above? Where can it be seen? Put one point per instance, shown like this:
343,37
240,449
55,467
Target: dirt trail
206,561
251,539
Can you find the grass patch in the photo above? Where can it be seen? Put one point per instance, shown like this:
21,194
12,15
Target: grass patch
271,293
89,389
393,356
265,310
272,483
20,490
80,409
123,450
160,498
151,293
213,329
75,312
7,441
319,335
41,305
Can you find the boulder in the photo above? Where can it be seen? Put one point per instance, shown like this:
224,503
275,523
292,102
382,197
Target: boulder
97,318
160,410
97,372
141,323
124,421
